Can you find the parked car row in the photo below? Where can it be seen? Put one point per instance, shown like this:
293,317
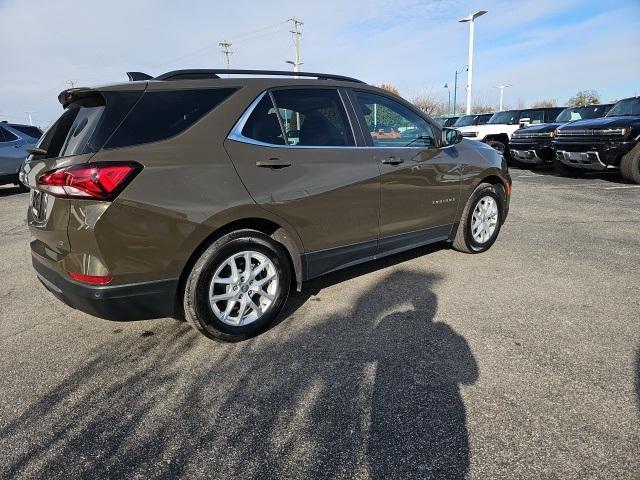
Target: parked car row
574,140
14,140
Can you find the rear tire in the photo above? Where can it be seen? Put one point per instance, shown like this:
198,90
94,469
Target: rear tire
244,306
566,170
630,166
467,236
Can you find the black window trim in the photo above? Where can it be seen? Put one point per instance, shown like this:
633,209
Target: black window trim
237,135
437,130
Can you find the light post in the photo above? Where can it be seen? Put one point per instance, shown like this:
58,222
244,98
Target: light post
502,87
449,91
455,87
471,19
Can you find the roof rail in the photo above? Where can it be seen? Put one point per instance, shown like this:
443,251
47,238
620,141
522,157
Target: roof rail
216,72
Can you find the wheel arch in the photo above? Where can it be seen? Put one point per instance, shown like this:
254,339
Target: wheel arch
275,228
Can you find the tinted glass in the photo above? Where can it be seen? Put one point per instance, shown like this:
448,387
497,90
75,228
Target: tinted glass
6,135
263,124
509,117
391,124
313,117
579,113
33,132
466,121
625,108
482,119
534,116
161,115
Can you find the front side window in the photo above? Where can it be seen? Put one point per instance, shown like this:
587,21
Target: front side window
391,124
313,117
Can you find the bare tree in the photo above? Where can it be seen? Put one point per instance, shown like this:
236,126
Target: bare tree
545,103
584,98
390,88
430,105
521,103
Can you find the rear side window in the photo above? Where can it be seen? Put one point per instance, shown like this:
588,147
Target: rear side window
33,132
161,115
313,117
6,135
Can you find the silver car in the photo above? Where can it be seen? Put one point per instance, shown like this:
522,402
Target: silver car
14,140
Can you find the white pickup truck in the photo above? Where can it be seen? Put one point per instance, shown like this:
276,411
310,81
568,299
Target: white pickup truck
498,130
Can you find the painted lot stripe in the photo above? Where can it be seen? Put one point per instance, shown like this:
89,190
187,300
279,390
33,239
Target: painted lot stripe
622,186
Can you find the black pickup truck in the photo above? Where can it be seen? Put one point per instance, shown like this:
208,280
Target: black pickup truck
610,142
531,145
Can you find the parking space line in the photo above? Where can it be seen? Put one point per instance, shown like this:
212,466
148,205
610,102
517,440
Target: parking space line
622,186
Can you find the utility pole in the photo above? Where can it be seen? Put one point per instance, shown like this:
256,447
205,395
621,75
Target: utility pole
30,118
455,88
226,52
449,92
471,20
297,33
502,87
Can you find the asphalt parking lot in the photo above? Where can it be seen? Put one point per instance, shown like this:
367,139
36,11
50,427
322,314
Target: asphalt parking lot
522,362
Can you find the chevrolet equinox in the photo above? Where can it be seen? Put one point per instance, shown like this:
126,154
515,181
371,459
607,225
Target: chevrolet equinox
191,195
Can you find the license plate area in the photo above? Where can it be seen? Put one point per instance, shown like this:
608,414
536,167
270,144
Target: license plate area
39,205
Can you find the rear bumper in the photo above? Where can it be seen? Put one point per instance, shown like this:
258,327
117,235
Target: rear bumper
138,301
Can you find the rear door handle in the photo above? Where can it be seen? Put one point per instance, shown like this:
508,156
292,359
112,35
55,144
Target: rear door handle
273,163
392,161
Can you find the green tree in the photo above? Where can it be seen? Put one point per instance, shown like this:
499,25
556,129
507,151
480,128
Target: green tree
584,98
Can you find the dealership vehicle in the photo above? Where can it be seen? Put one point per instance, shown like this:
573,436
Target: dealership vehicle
498,130
182,195
14,140
446,121
532,145
608,143
473,119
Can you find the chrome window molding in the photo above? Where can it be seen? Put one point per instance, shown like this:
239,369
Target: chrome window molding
236,132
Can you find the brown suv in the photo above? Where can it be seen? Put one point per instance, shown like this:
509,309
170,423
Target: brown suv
186,194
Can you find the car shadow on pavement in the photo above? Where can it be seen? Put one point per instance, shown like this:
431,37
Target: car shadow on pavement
373,392
7,191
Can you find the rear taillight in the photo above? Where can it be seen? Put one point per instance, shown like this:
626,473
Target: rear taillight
98,181
93,279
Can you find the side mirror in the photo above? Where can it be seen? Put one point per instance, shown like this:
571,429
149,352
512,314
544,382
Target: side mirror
451,136
524,122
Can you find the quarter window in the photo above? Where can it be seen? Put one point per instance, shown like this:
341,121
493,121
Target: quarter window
263,124
313,117
391,124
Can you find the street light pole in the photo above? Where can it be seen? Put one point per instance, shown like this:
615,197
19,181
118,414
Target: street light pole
471,19
502,87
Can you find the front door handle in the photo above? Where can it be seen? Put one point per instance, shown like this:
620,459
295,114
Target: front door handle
392,161
273,163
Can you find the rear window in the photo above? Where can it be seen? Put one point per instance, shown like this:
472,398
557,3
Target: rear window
33,132
6,135
87,123
161,115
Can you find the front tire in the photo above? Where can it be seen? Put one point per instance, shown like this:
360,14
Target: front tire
630,166
481,219
238,286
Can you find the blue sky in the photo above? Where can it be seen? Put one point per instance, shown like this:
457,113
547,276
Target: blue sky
546,48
